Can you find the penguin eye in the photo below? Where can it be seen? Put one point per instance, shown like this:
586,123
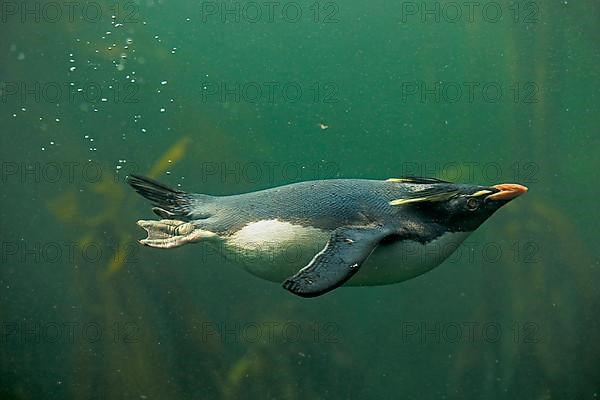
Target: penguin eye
473,204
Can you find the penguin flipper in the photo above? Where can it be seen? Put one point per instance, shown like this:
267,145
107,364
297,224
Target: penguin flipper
340,259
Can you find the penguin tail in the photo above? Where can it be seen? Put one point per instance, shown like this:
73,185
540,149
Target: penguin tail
168,202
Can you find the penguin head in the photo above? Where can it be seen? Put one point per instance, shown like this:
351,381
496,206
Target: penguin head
471,205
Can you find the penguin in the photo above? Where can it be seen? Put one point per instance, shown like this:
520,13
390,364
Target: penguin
315,236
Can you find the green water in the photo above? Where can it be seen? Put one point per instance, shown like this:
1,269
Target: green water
236,97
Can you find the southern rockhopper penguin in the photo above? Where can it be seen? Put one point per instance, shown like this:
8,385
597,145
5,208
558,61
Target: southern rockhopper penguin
315,236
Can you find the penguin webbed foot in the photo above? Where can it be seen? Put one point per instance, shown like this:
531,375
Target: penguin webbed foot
170,233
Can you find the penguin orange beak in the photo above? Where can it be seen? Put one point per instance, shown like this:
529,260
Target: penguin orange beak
507,191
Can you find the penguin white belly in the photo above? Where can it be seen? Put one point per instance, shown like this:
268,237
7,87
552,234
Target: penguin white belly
406,259
275,250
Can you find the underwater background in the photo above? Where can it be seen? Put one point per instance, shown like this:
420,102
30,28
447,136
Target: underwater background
224,97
